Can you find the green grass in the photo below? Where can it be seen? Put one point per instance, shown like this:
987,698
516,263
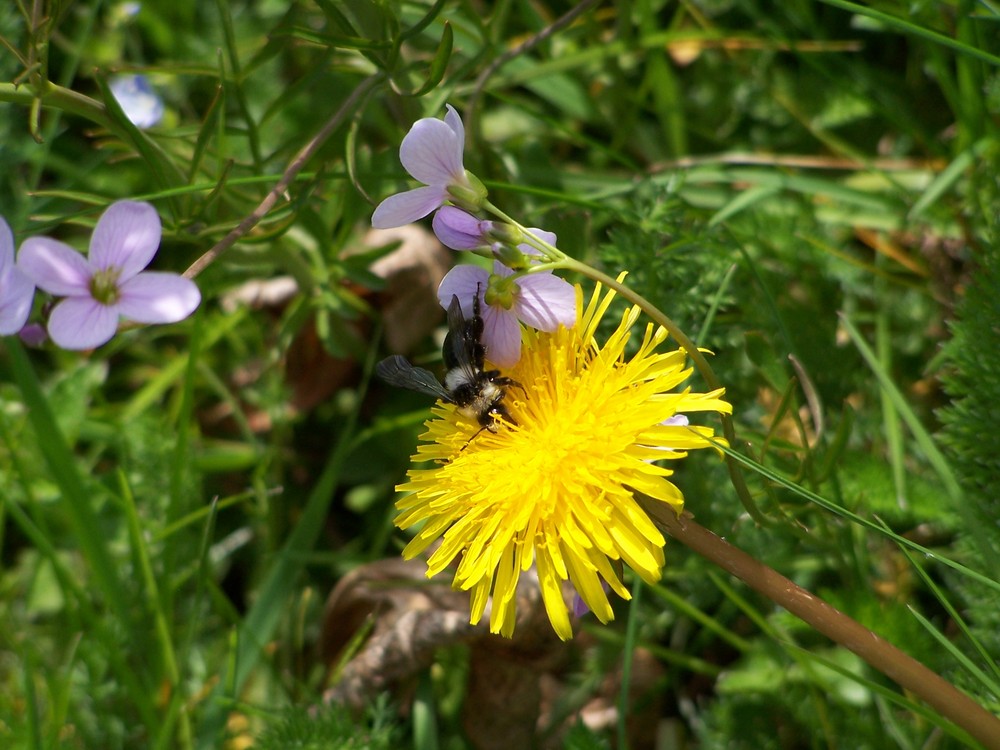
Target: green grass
808,189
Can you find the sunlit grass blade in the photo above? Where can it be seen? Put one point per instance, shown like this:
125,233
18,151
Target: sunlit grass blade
966,663
990,683
928,447
910,27
889,694
946,180
154,603
797,489
76,497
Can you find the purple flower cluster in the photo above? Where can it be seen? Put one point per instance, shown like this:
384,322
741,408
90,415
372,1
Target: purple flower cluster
97,290
432,153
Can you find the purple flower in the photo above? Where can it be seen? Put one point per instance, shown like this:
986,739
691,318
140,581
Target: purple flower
540,300
33,335
431,153
141,105
460,230
16,290
110,282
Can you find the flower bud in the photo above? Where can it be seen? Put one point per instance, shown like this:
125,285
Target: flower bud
510,256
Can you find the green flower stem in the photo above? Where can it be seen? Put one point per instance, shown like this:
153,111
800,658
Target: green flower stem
58,97
903,669
288,176
556,258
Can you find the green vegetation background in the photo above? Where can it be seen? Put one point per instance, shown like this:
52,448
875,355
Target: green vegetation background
809,188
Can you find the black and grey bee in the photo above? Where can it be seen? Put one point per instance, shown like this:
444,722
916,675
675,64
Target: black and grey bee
477,393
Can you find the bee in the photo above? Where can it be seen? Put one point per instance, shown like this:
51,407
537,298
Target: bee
478,393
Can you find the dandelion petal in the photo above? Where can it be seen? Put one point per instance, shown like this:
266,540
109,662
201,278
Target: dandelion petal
158,298
126,236
82,323
404,208
55,267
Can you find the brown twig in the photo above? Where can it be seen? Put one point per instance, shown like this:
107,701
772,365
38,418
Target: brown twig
296,165
506,57
906,671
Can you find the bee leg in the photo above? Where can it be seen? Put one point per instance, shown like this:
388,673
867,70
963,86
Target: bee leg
484,427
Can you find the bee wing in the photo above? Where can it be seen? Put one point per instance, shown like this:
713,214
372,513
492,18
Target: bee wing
456,344
463,351
396,370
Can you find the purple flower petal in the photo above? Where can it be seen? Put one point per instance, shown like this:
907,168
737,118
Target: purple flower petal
127,236
55,267
462,281
459,229
6,247
543,235
82,323
404,208
16,295
33,335
501,336
153,297
544,301
432,152
454,121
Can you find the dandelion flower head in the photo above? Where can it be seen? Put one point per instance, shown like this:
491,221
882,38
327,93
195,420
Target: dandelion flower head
556,490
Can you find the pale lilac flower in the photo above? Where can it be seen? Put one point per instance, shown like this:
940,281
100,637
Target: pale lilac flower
33,335
110,281
16,289
431,153
540,300
460,230
141,105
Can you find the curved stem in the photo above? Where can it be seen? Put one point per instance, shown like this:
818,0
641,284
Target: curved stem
735,474
294,167
58,97
903,669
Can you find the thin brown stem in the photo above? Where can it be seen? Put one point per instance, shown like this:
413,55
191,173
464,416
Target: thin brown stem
903,669
294,167
477,89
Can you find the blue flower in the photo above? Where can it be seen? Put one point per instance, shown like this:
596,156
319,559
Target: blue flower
142,106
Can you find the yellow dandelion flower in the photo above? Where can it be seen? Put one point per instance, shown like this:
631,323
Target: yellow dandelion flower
556,490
